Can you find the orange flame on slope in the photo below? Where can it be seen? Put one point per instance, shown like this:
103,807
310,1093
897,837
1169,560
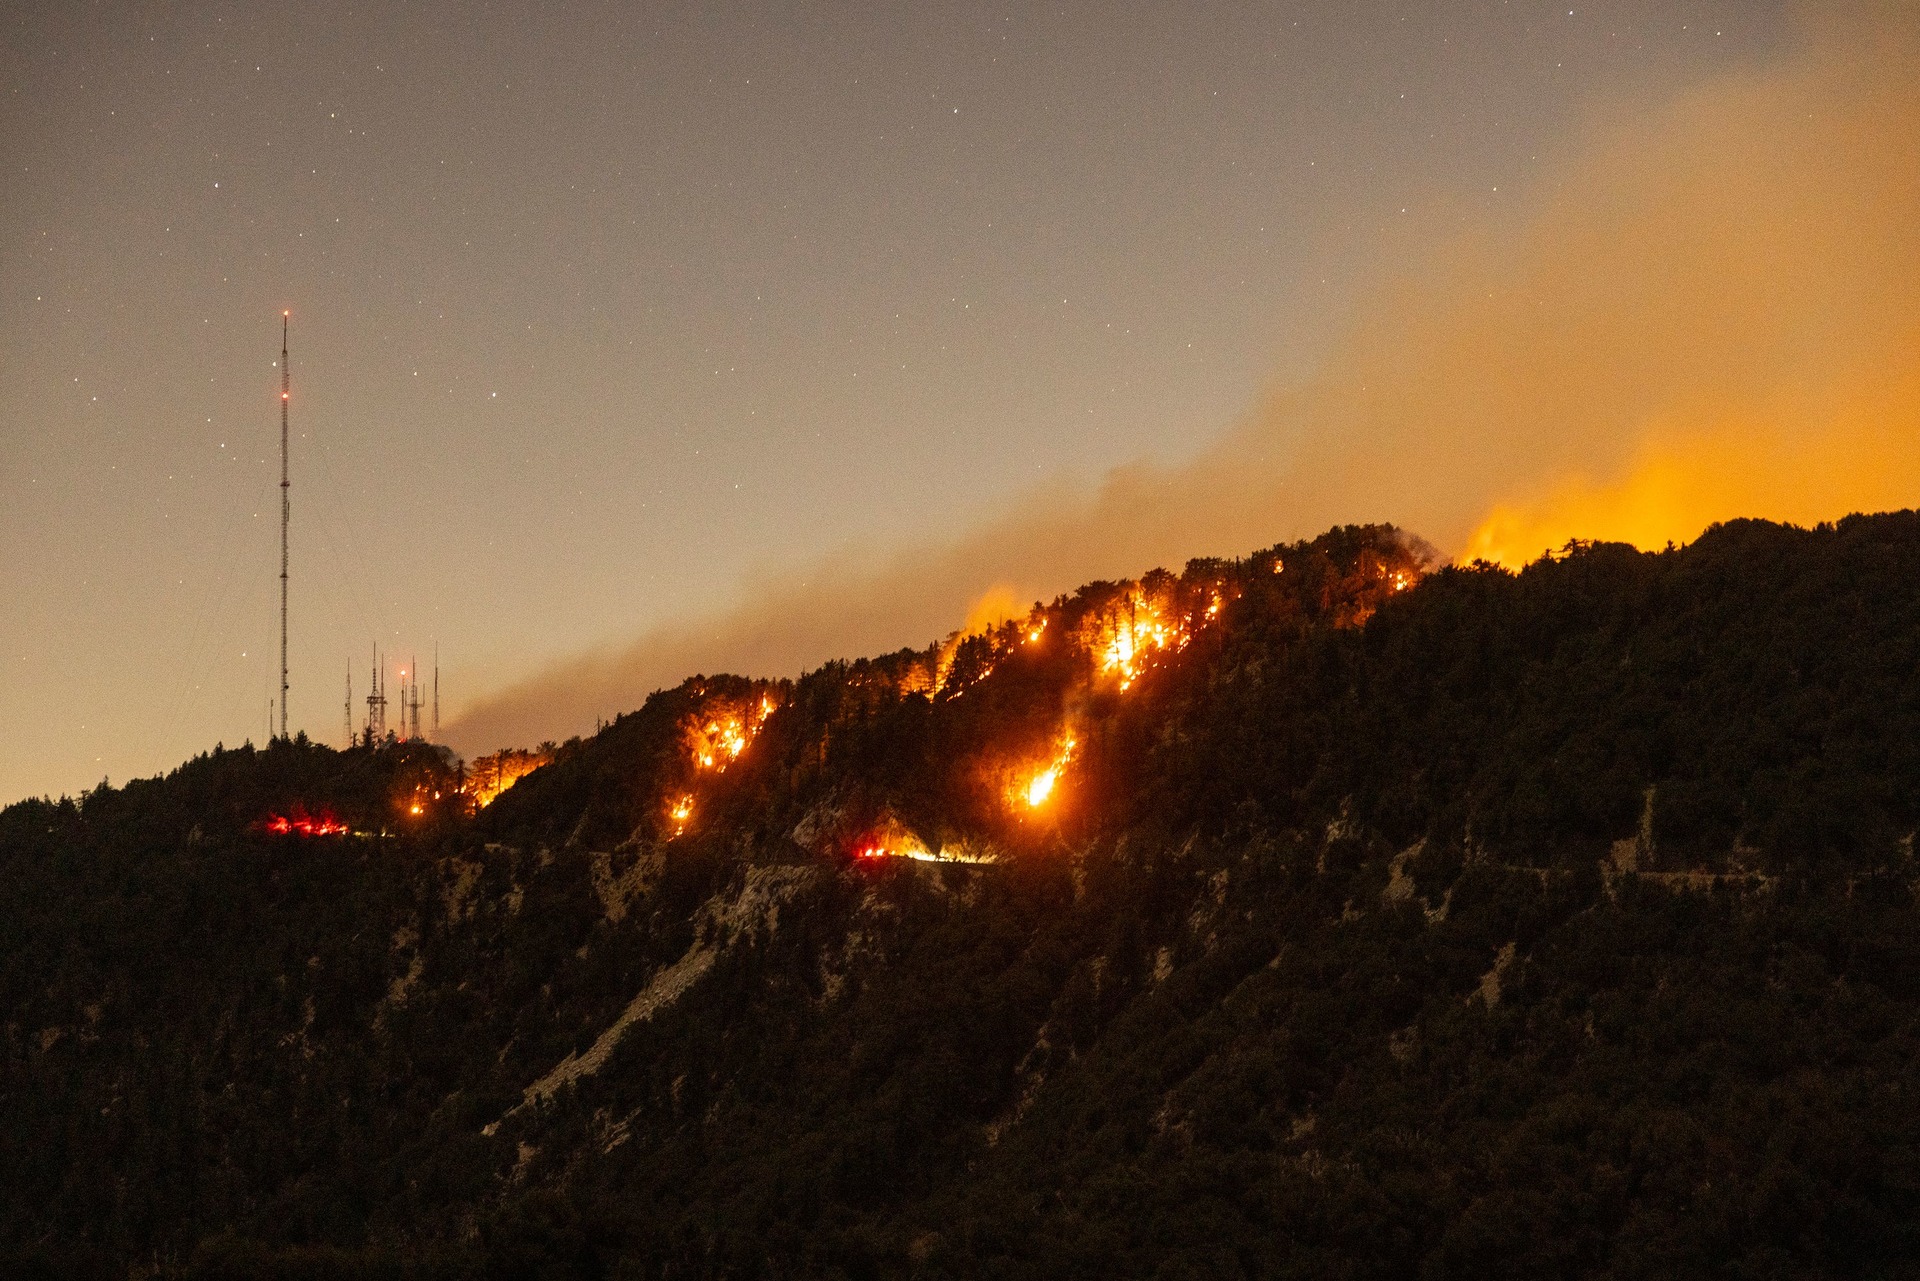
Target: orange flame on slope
680,812
1038,788
994,608
491,775
919,853
721,731
303,825
1122,640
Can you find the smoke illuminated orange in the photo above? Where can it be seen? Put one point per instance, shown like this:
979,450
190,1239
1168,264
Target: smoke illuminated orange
1866,458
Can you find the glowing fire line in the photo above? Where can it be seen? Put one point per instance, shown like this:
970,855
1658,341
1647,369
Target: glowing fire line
1039,788
680,812
718,737
301,825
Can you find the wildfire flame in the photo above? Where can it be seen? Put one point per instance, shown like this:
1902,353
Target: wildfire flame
1139,628
893,840
492,775
1039,786
680,812
921,854
304,825
718,735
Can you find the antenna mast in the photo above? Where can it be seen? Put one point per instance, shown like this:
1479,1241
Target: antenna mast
377,703
285,514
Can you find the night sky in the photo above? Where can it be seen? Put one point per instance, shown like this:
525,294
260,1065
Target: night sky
605,318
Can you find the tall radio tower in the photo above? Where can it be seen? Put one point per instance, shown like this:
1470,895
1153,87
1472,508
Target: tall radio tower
285,514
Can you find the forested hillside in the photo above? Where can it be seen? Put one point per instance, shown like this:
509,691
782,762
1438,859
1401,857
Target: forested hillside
1317,914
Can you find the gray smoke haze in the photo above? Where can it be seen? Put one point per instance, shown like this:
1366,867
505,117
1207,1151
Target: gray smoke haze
1710,313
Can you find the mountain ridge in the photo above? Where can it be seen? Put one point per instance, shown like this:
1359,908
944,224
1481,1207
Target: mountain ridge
1373,922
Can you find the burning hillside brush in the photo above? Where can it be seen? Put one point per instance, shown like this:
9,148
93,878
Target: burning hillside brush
1158,615
679,813
889,838
300,823
721,729
1036,787
489,776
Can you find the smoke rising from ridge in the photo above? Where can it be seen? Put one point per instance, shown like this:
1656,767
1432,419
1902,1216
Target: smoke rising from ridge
1709,314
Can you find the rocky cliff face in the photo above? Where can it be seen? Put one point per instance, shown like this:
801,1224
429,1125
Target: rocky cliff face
1371,922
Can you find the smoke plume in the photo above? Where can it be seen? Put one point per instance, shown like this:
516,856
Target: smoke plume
1709,314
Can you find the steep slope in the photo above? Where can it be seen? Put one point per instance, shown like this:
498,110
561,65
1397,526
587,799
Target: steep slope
1308,914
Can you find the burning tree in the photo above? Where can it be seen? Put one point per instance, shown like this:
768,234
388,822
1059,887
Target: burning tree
489,776
722,727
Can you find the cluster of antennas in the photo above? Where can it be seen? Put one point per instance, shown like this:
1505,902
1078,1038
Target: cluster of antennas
413,700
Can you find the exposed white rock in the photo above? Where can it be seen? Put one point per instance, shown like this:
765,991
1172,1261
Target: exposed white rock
1489,989
459,891
616,890
1400,886
751,913
665,988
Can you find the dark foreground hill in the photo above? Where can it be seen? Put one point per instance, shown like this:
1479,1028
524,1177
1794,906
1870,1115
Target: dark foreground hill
1298,916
